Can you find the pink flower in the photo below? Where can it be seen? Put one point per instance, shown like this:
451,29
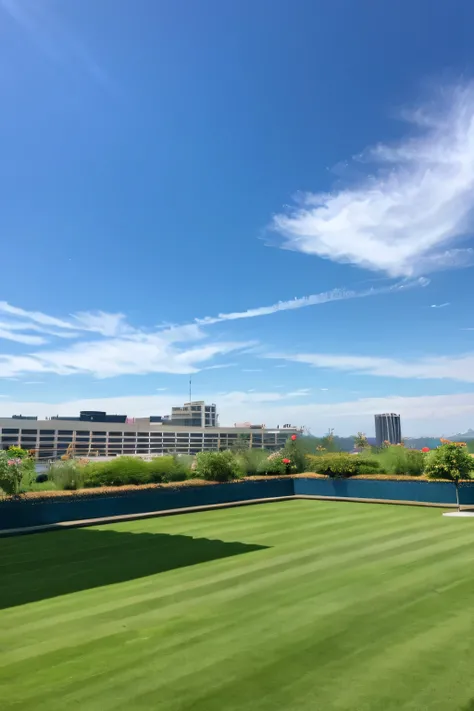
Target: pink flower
285,461
425,449
293,437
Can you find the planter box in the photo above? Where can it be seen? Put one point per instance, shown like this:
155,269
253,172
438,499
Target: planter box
33,512
26,513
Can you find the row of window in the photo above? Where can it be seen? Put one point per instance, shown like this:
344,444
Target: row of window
80,434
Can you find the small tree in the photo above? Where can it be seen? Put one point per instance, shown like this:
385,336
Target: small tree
361,441
328,442
450,461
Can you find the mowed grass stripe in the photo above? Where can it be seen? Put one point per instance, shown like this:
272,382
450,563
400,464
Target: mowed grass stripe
235,575
341,590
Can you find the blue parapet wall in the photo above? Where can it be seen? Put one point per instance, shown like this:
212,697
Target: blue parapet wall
27,513
33,512
423,492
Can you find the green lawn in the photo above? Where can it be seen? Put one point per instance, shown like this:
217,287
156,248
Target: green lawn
292,606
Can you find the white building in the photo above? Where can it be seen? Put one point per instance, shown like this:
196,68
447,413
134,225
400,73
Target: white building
194,414
89,436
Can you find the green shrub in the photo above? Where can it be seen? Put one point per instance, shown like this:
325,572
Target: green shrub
367,465
169,468
66,475
217,466
450,461
251,461
121,471
118,471
335,464
159,468
273,464
399,460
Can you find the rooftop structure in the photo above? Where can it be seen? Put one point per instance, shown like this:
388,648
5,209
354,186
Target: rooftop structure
194,414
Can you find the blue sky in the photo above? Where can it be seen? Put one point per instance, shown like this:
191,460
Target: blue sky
273,196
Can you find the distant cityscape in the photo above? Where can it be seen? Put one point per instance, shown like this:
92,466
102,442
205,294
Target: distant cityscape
191,428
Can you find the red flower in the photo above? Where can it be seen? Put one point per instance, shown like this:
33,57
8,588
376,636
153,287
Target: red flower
425,449
285,461
293,437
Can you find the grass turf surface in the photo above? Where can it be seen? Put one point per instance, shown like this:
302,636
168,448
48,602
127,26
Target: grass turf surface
299,605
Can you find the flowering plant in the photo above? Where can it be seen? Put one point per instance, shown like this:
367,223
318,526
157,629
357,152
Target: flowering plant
16,465
11,473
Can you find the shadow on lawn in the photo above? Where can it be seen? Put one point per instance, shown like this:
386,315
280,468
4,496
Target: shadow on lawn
37,567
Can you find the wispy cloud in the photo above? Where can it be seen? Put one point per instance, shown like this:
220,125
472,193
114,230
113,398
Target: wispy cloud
402,218
440,306
459,367
118,348
313,300
8,335
252,370
53,38
219,366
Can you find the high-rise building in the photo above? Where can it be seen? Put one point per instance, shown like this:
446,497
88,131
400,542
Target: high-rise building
387,429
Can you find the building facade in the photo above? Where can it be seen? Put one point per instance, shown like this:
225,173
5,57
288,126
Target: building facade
88,438
388,429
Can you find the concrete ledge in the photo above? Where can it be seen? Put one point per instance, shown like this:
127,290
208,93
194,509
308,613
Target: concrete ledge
398,502
83,523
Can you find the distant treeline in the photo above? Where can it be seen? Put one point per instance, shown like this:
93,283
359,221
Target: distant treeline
346,444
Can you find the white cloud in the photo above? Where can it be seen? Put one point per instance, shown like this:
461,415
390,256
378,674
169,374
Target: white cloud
137,353
434,414
403,218
313,300
35,316
25,338
219,366
459,367
101,322
117,348
440,306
